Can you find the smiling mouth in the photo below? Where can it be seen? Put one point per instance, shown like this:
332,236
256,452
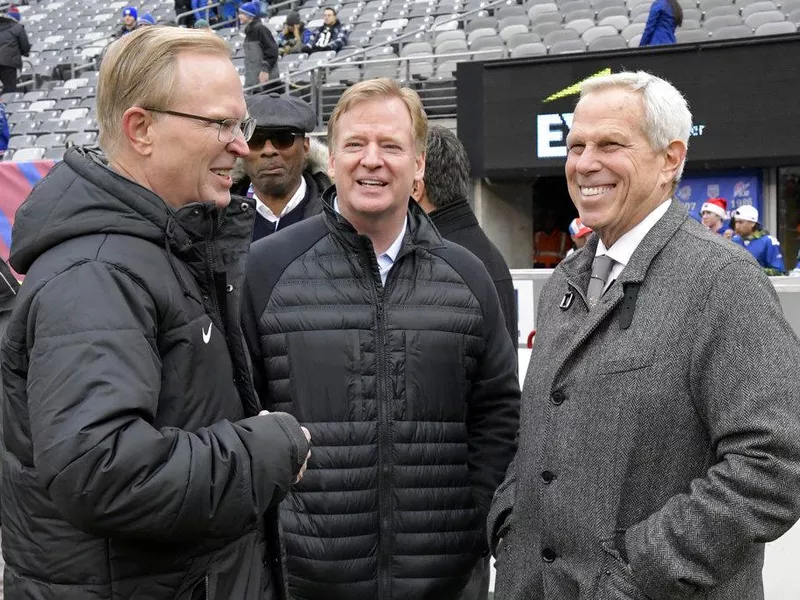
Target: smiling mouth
371,183
596,190
224,174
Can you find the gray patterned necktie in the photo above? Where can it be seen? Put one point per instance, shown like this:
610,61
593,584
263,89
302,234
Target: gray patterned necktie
601,269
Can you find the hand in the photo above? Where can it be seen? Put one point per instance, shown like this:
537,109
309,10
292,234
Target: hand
305,464
728,234
263,77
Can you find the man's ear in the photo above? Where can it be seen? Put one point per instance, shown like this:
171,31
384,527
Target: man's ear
674,156
137,130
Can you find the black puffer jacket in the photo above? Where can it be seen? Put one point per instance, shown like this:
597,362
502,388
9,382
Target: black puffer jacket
410,394
14,43
133,465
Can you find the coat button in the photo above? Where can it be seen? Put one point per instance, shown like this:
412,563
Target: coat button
229,288
548,555
548,476
245,207
558,397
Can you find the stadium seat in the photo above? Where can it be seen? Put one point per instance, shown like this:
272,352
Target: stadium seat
522,38
632,30
540,9
450,35
15,142
481,23
639,9
74,113
416,48
582,13
479,33
560,36
731,32
789,6
529,49
612,11
635,41
419,68
450,46
592,34
446,68
722,11
688,24
779,28
485,44
618,22
692,13
506,33
28,154
568,7
755,20
568,46
761,6
706,4
49,140
542,29
41,105
611,42
55,153
718,22
580,25
347,74
692,36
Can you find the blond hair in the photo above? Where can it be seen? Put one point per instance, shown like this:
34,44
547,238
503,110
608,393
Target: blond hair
140,70
382,87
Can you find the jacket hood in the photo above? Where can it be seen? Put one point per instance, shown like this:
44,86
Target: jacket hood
316,161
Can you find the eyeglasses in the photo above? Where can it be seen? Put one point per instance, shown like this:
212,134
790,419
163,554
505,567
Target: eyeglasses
228,128
280,138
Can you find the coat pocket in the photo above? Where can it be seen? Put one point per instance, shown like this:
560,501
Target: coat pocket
616,578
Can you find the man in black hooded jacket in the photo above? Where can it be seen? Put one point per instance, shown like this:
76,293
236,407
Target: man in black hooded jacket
135,462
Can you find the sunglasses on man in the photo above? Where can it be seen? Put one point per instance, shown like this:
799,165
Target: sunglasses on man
281,138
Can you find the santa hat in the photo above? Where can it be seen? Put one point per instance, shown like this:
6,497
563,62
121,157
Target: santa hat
578,229
130,11
717,206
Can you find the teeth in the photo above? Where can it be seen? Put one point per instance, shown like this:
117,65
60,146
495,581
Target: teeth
372,183
595,191
221,172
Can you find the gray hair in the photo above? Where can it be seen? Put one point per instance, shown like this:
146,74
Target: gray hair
446,168
666,112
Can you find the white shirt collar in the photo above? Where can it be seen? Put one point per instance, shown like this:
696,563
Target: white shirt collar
385,260
266,212
622,250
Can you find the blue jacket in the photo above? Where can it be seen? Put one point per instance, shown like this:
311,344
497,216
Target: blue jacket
207,14
765,249
4,132
660,27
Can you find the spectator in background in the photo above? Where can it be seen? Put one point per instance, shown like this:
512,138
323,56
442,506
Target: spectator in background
130,18
764,248
260,49
579,234
205,10
14,45
201,24
135,461
331,36
550,244
184,6
294,35
229,9
146,20
389,343
285,170
5,133
713,214
665,16
443,194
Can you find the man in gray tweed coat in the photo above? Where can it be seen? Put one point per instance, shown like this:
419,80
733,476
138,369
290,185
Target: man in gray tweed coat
648,466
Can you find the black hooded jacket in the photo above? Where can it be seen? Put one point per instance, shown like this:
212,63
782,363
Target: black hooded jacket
134,465
410,392
14,43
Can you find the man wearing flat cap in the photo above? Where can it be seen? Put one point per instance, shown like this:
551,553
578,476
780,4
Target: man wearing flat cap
285,171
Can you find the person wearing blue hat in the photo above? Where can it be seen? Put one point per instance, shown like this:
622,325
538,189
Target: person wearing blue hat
130,17
146,20
260,48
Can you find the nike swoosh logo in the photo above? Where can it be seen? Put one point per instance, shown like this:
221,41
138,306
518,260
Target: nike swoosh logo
207,334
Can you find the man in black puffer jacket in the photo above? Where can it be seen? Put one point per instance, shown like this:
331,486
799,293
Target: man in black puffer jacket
14,45
388,343
135,462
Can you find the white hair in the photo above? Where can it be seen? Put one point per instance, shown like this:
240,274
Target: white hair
666,112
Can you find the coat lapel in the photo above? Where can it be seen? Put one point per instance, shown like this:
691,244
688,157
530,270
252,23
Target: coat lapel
578,272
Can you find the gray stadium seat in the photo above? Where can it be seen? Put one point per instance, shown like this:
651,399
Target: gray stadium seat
34,96
568,7
348,74
632,30
15,142
599,5
41,105
529,49
757,19
612,11
794,16
510,11
548,17
420,68
568,46
731,32
580,25
706,4
611,42
582,13
779,28
689,24
639,9
618,22
55,153
446,68
481,23
373,71
479,33
450,35
717,22
640,18
692,36
28,154
74,113
450,46
722,11
761,6
27,127
508,32
517,20
416,48
522,38
542,29
634,41
539,9
49,140
495,44
66,103
789,6
444,23
560,36
592,34
692,13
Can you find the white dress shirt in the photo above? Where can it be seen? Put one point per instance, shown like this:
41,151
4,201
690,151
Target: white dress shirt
385,260
266,212
622,250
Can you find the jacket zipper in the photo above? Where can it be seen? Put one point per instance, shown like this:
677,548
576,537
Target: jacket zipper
384,441
212,291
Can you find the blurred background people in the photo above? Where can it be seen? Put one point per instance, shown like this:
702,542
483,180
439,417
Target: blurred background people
713,214
764,248
665,16
579,234
14,45
293,36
